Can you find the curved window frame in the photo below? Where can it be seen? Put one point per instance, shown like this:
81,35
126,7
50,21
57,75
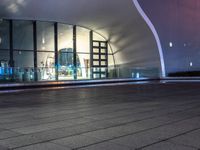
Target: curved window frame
80,65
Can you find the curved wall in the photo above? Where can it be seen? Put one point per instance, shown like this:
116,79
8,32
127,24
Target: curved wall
132,41
177,22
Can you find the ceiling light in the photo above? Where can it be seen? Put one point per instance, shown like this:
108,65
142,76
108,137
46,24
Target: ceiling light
191,64
43,40
170,44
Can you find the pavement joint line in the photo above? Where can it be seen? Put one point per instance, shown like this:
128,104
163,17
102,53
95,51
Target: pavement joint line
173,122
178,105
69,105
83,103
151,117
104,106
120,116
117,110
152,97
133,107
167,139
141,132
182,144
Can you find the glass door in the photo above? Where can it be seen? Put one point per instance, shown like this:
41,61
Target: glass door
99,59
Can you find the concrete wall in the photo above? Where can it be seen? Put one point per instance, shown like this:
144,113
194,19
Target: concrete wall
178,25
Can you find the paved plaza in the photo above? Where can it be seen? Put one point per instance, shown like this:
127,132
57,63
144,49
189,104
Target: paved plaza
151,116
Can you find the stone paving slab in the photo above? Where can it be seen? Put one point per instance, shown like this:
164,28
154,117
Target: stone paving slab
168,146
44,146
125,117
189,139
77,141
106,146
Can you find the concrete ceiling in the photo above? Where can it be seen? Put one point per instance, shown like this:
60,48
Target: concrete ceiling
117,20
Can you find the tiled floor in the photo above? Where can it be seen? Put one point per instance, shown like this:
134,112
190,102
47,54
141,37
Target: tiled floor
151,116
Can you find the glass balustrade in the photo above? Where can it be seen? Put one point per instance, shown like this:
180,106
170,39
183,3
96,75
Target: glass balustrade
71,73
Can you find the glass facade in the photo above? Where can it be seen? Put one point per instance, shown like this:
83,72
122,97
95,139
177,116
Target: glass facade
4,35
65,52
46,66
45,36
45,51
83,40
22,35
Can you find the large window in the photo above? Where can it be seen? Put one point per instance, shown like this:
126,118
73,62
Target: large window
83,66
23,35
23,55
33,47
46,66
45,36
4,47
65,37
23,59
83,40
4,35
65,52
45,51
83,53
4,62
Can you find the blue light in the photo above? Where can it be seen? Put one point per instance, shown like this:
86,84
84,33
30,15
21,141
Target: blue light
11,71
1,71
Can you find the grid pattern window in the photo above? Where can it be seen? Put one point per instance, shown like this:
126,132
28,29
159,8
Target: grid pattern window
31,49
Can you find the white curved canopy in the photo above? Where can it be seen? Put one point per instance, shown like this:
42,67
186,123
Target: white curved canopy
118,21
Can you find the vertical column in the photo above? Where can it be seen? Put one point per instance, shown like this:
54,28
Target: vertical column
56,49
74,52
107,59
91,54
11,43
11,62
100,65
35,50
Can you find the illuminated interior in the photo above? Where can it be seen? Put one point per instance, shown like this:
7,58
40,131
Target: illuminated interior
55,51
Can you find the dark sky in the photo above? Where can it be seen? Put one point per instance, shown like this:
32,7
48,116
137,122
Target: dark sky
178,25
